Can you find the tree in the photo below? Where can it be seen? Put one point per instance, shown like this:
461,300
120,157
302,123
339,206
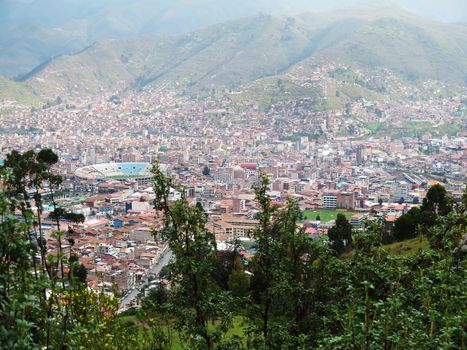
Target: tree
239,282
196,301
199,206
41,304
406,226
318,218
380,201
280,268
393,302
80,273
437,201
206,171
340,235
264,264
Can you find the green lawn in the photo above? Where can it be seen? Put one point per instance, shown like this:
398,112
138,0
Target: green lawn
326,215
408,247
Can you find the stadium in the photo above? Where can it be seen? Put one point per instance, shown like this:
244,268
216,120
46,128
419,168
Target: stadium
140,172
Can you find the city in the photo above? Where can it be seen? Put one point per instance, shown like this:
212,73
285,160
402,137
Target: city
247,176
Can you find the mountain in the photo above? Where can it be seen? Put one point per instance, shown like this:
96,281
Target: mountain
12,92
34,31
240,51
413,50
38,30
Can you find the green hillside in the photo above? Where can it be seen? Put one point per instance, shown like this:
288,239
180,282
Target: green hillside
17,93
235,53
414,50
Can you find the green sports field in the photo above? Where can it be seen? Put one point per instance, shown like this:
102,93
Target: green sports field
326,215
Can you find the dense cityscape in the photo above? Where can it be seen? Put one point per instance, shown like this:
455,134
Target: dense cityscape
216,147
298,199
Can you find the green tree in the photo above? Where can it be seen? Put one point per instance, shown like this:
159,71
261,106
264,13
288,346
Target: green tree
80,273
41,305
265,265
281,275
406,226
397,303
206,171
196,300
437,201
340,235
239,282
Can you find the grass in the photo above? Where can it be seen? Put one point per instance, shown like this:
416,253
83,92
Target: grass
326,215
449,129
408,247
18,92
237,329
402,249
4,111
374,126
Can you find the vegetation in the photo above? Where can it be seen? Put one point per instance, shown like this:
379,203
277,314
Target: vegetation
418,219
18,93
326,215
206,171
293,294
340,235
265,48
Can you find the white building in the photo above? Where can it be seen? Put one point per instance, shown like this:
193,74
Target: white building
401,190
330,199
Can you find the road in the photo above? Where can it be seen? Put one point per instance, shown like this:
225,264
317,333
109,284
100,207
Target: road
128,298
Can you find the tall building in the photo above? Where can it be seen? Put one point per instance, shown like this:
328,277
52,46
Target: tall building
330,199
401,191
359,155
346,200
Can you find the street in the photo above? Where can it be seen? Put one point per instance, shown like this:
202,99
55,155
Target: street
156,269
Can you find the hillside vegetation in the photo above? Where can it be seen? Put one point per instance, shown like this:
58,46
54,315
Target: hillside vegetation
17,93
241,51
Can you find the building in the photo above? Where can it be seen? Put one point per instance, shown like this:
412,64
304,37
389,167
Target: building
357,221
330,199
141,235
104,249
123,279
233,225
346,200
401,191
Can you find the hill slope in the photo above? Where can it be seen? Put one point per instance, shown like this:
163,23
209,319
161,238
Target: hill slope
38,30
241,51
17,93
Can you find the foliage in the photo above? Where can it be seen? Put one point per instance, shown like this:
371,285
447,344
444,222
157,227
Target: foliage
294,294
340,235
195,297
206,171
405,227
41,305
418,219
437,201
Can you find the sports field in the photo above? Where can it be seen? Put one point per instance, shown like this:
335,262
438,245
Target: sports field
326,215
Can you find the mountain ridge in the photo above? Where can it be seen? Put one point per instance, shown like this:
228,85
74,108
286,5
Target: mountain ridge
37,30
240,51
